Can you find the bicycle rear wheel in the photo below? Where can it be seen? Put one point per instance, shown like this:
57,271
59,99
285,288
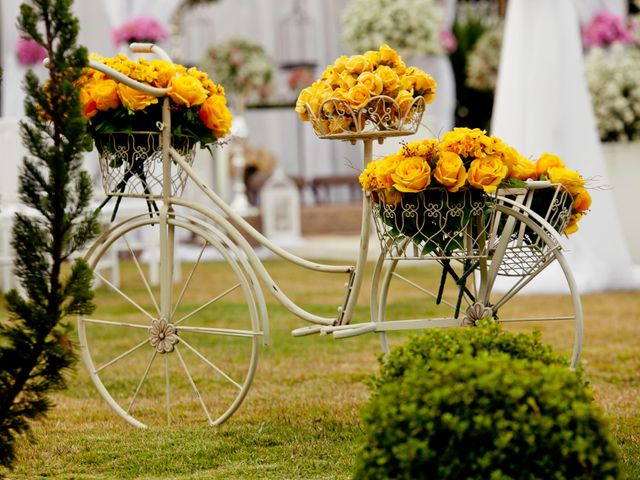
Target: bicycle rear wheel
430,293
194,364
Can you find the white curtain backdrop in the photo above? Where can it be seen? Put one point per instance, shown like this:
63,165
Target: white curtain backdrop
542,105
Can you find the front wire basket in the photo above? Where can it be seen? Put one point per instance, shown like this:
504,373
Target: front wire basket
131,164
380,117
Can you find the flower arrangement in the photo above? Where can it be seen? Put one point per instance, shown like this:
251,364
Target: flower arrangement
460,171
607,28
242,67
411,26
30,52
139,29
125,123
375,90
198,105
613,78
484,60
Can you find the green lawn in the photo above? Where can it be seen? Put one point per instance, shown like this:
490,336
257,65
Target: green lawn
300,419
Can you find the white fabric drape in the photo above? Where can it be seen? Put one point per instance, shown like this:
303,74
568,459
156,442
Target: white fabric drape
542,105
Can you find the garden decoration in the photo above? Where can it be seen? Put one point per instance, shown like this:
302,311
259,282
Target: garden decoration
194,340
126,125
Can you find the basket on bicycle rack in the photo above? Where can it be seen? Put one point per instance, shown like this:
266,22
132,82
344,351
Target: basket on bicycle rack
439,224
131,163
434,223
380,117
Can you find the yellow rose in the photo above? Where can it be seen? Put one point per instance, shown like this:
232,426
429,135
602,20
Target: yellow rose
373,58
486,173
165,72
547,161
134,99
215,115
582,201
357,64
450,171
340,64
388,56
390,79
412,174
347,80
105,94
572,226
88,104
372,82
391,196
385,168
305,97
519,166
570,179
367,178
358,96
405,100
424,84
187,90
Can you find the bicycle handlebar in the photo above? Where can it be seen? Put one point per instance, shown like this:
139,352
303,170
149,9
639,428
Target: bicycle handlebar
130,82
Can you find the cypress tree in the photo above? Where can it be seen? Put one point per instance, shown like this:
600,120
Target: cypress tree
35,346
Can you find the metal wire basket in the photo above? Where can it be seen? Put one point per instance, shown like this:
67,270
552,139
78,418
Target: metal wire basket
380,117
131,163
434,223
438,224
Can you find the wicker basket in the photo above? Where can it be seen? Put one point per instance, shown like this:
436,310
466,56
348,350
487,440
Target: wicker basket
381,117
131,163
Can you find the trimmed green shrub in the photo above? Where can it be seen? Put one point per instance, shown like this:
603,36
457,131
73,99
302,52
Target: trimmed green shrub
482,403
447,344
486,416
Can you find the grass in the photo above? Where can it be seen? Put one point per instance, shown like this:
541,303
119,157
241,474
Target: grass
300,419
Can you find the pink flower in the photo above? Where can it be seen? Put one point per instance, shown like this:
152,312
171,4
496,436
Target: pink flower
606,28
449,41
30,52
139,29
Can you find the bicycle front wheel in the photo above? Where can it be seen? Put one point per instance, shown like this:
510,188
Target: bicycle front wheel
194,363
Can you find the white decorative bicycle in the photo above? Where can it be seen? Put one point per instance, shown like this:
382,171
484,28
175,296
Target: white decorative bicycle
155,352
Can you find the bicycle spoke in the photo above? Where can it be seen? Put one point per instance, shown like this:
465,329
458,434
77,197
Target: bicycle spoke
121,356
188,280
520,284
228,332
168,389
193,385
125,296
214,299
144,377
537,319
115,324
142,275
422,289
205,360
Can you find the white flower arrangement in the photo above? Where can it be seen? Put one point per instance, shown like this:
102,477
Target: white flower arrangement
484,60
411,27
613,77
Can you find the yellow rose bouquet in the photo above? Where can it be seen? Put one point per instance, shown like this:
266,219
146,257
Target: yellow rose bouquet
431,191
374,94
198,106
126,123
